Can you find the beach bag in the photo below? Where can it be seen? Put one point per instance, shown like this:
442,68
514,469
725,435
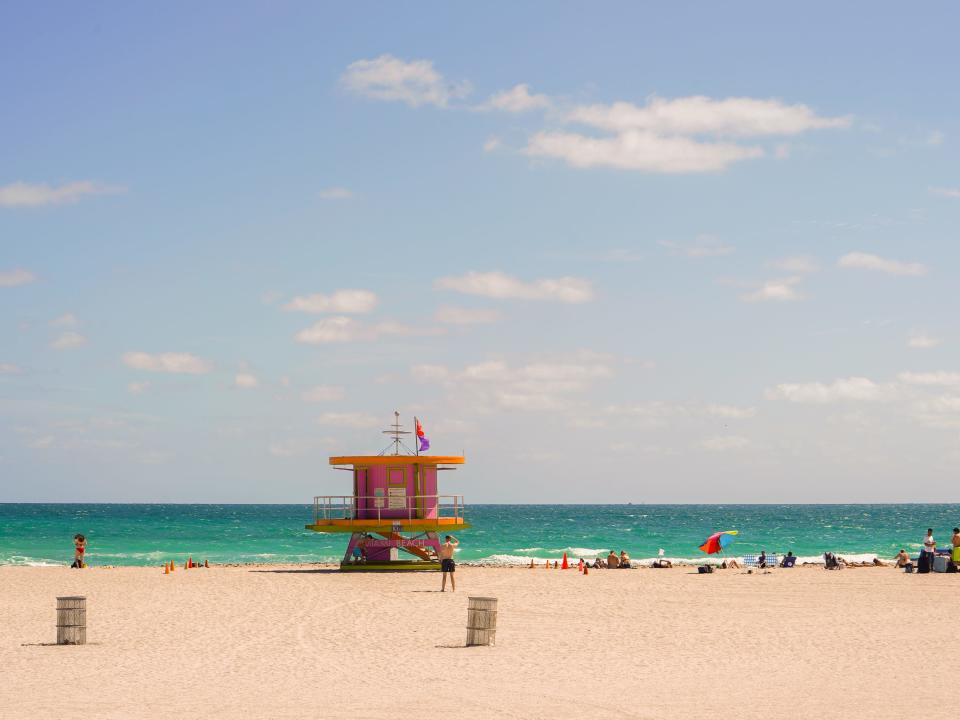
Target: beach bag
923,564
705,569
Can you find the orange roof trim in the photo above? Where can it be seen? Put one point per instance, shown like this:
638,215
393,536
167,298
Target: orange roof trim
397,460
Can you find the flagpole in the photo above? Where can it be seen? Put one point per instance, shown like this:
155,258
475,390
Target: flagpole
416,438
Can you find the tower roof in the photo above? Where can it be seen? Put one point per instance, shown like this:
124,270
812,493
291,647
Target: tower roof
397,460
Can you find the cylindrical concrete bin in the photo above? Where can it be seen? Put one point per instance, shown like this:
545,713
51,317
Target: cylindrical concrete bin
72,620
481,621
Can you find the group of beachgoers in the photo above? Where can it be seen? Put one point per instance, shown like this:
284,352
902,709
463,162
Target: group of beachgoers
925,561
613,561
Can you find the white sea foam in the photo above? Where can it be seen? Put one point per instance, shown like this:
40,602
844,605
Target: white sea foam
527,550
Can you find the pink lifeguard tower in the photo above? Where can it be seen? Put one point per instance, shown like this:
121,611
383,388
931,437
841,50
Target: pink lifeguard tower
395,506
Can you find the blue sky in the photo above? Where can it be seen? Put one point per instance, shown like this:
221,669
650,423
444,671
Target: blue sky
688,254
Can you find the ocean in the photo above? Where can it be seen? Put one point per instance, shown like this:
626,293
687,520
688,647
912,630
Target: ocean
122,534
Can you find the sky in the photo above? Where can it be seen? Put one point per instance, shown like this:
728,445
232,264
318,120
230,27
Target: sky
644,253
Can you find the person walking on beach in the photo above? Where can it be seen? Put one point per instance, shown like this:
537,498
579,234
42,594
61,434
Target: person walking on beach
928,552
955,541
447,565
79,549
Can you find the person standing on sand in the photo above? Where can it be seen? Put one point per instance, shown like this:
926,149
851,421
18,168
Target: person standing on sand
79,550
447,565
955,553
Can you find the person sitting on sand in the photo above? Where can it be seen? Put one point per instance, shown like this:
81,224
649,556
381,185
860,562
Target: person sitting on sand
598,564
613,560
731,563
79,549
762,560
624,560
785,562
901,559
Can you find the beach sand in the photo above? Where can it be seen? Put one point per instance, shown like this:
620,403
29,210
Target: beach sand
279,642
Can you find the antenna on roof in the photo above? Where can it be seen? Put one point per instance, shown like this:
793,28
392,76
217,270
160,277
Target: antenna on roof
396,431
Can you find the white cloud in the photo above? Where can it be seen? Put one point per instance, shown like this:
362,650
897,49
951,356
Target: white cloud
10,369
13,278
138,388
324,393
733,412
699,115
341,301
923,341
703,246
335,193
721,443
414,83
866,261
69,339
491,144
501,286
66,320
351,420
945,192
637,150
466,316
245,380
20,194
798,264
782,290
930,378
517,99
171,362
341,329
852,388
533,386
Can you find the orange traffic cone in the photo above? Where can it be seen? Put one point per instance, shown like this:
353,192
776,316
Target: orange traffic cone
166,569
565,565
190,562
555,565
185,566
205,563
531,563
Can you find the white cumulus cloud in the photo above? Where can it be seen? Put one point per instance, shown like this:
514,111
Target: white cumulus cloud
14,278
923,341
867,261
816,393
171,362
700,115
930,378
639,150
341,301
414,82
341,329
781,290
518,99
246,380
21,194
501,286
67,340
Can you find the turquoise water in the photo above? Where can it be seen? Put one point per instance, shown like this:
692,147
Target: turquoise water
502,534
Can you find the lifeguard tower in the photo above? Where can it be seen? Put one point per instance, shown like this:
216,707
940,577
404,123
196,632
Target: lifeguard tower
394,507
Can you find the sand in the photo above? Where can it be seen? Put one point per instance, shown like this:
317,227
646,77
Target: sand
296,642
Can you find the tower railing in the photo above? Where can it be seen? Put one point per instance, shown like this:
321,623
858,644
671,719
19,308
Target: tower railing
384,508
